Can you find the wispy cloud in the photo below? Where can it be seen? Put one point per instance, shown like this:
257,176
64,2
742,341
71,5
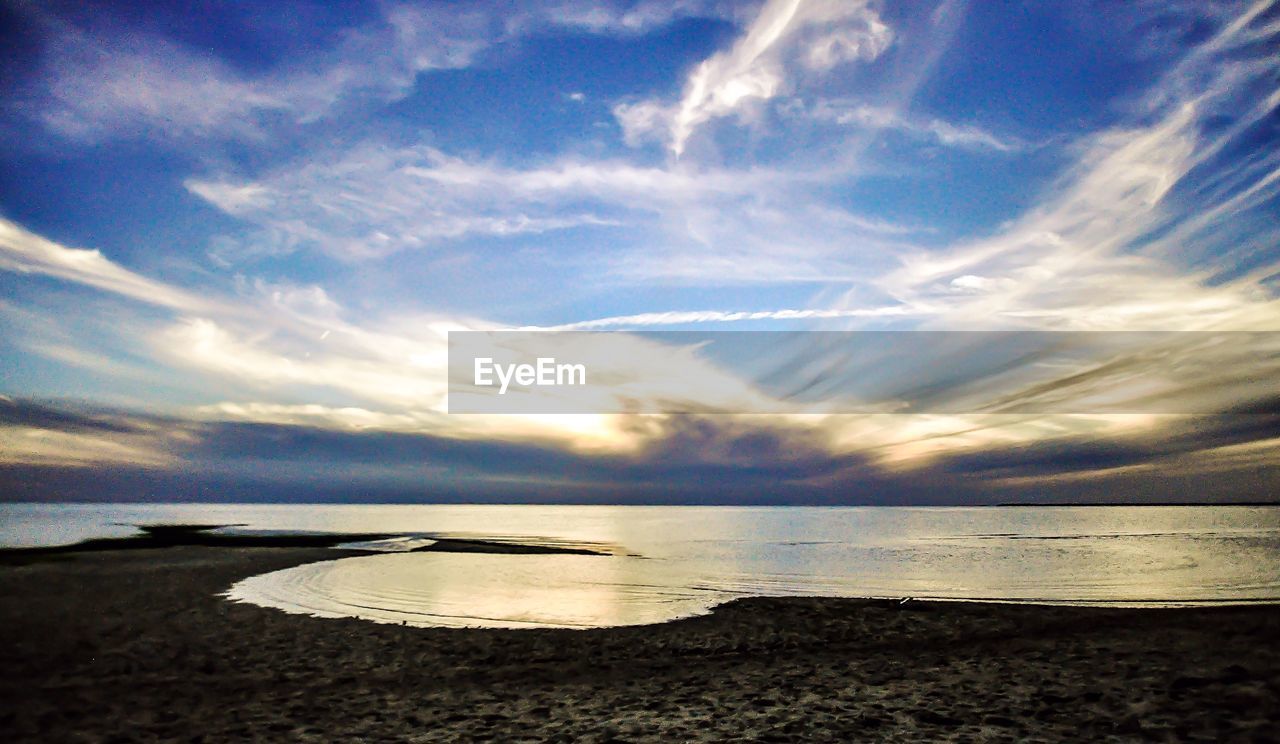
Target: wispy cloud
690,223
104,82
788,36
371,200
625,17
25,252
276,344
882,118
722,316
206,345
1107,247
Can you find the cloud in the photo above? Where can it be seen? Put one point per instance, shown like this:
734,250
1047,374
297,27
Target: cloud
372,200
392,379
35,435
25,252
642,121
886,119
1108,245
24,445
304,348
626,17
973,283
285,343
785,232
683,223
1186,445
722,316
692,459
686,224
787,35
104,81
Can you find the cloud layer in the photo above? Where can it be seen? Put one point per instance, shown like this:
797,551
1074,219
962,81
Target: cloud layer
326,209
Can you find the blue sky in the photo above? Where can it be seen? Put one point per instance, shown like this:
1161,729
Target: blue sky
255,222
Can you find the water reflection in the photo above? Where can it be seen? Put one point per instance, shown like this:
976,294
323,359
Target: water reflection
696,557
503,591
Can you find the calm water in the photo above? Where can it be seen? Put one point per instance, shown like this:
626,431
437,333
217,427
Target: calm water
669,562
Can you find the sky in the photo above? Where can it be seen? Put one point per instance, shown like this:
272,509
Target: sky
235,236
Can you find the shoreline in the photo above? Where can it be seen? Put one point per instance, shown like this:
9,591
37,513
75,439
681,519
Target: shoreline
155,536
137,644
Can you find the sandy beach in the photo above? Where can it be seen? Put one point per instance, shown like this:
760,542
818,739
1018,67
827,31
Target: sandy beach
137,646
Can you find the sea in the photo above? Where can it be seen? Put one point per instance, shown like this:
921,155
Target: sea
658,563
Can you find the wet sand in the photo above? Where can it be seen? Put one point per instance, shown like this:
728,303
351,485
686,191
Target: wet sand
136,646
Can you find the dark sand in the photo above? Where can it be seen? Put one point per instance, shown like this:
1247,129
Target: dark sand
136,646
